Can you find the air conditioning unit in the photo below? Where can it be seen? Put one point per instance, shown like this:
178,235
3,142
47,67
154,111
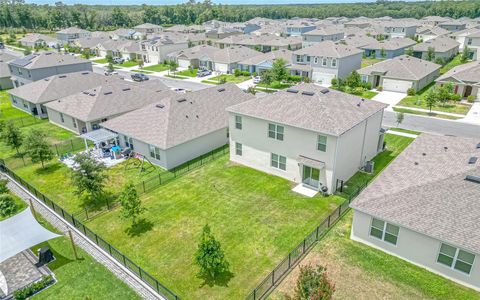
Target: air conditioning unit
369,167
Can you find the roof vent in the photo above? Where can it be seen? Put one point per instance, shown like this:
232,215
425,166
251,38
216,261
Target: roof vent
416,163
324,91
358,104
472,160
186,116
424,154
107,93
160,106
85,73
86,93
445,148
92,94
221,89
292,91
473,178
48,53
307,93
62,76
181,100
125,89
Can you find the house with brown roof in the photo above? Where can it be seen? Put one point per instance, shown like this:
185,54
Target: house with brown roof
465,79
180,127
423,208
308,134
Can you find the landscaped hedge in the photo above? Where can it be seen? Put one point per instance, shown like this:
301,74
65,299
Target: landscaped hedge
33,288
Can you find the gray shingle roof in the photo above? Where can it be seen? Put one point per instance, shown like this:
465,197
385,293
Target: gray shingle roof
464,73
72,30
195,52
111,98
331,113
233,54
441,44
425,190
328,49
47,59
402,67
392,44
326,30
168,122
33,37
270,56
5,58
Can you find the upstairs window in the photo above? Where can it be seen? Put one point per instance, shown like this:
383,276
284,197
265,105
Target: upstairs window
334,62
238,122
275,131
324,62
322,143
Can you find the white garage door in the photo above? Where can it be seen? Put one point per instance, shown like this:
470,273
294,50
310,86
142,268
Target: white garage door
183,63
400,86
322,78
221,68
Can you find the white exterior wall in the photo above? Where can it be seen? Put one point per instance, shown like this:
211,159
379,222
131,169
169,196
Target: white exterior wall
416,248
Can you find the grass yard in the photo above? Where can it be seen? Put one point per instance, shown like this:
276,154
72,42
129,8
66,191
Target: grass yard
142,71
362,272
405,130
6,109
427,114
156,68
188,73
451,64
127,64
255,216
418,101
176,76
275,85
100,61
368,94
20,206
229,78
370,61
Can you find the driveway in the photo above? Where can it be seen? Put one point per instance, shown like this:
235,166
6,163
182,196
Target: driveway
390,98
473,115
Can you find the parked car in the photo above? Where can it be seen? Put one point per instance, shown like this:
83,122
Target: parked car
139,77
203,73
118,60
257,79
109,73
179,90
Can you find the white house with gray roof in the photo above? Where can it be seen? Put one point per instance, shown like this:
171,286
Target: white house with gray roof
328,60
401,73
69,34
181,127
424,208
40,65
327,33
443,47
307,134
465,79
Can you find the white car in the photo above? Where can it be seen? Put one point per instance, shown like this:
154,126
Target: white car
257,79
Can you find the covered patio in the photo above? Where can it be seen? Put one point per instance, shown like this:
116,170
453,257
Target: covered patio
311,171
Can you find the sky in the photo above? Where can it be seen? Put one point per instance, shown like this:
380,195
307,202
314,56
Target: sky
168,2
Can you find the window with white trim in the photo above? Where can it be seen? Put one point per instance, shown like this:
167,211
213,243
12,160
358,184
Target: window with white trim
238,149
74,122
469,42
334,62
278,161
154,152
275,131
128,141
322,143
455,258
238,122
324,62
384,231
315,60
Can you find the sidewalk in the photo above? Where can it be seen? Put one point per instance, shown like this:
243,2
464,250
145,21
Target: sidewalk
473,115
399,133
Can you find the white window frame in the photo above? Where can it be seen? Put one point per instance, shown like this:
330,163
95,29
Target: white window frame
154,152
469,41
128,142
384,231
324,61
315,60
238,122
334,62
276,161
74,122
455,258
322,146
238,149
278,131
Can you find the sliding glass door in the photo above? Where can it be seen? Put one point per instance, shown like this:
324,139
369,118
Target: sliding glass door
311,176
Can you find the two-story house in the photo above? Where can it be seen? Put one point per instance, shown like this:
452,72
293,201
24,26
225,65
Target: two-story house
148,28
5,82
442,48
452,26
328,33
40,65
388,48
158,47
472,41
400,29
298,27
329,60
69,34
307,134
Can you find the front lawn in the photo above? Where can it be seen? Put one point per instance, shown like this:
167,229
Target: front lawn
427,114
228,78
188,73
127,64
368,94
370,61
276,85
362,272
255,216
101,61
418,101
156,68
405,130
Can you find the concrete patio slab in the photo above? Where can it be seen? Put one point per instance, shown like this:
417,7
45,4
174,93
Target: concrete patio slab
390,98
304,190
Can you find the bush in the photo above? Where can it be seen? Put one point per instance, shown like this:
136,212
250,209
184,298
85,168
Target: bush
334,81
276,85
33,288
357,90
7,205
3,186
455,97
313,284
411,91
294,78
237,72
470,99
379,88
366,85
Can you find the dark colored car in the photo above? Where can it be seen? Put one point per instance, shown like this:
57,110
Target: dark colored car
139,77
202,73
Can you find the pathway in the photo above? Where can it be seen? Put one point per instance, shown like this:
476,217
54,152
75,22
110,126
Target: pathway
83,242
390,98
410,135
473,115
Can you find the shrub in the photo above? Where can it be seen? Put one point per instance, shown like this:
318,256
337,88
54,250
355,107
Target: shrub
455,97
294,78
237,72
222,80
379,88
411,91
313,284
7,205
366,85
334,81
3,186
470,99
33,288
357,90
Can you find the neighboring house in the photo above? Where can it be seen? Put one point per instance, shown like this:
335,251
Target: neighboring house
298,27
90,43
158,47
226,60
401,73
321,34
200,56
462,36
33,40
358,41
307,134
424,209
179,128
443,48
434,20
67,35
465,79
122,33
267,43
452,26
400,29
328,60
264,61
185,29
245,27
84,111
388,48
148,28
32,97
229,41
40,65
472,41
426,33
357,23
221,33
5,81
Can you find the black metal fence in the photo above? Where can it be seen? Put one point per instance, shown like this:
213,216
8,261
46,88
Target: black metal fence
112,251
25,121
289,262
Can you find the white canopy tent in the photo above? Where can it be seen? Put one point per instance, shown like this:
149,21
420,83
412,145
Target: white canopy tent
99,136
21,232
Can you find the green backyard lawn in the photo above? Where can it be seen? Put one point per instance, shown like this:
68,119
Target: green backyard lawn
275,85
255,216
156,68
453,63
188,73
369,61
6,109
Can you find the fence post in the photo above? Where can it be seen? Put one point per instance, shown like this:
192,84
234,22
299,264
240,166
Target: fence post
303,245
254,294
328,224
143,183
289,259
86,212
159,179
56,150
108,203
273,277
339,210
71,143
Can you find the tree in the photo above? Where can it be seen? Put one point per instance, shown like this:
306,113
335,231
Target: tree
251,90
383,54
109,58
7,205
173,65
140,63
313,284
430,54
353,80
27,51
110,67
37,147
131,203
465,54
209,256
88,176
409,51
444,93
267,77
279,70
86,53
3,186
2,126
12,136
399,118
431,99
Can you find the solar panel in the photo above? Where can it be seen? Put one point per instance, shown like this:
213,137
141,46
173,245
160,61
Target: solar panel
181,100
107,93
324,91
308,93
473,178
292,91
472,160
24,61
221,89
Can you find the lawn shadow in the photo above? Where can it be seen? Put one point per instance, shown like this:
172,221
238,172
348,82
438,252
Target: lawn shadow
139,228
221,279
48,169
101,202
60,260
